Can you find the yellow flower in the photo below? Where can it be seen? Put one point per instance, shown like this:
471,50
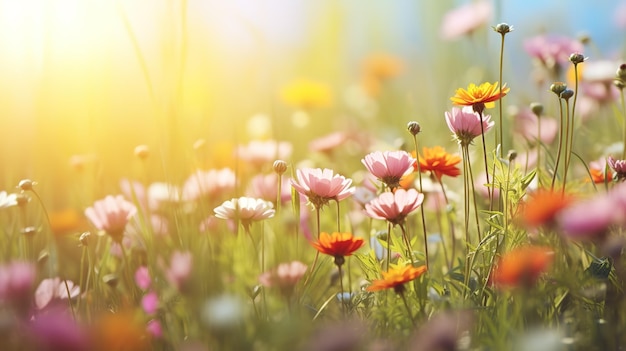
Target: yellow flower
480,96
306,94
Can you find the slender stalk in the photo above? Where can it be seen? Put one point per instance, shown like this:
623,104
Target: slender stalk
501,126
419,176
466,216
338,217
558,155
388,245
406,305
409,250
343,303
482,135
69,299
624,118
568,150
278,195
450,225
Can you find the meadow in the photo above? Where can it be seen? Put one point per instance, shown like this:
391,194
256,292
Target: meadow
410,175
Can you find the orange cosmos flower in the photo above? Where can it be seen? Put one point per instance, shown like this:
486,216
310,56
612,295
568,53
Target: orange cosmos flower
396,277
480,96
439,162
543,206
522,266
597,171
338,245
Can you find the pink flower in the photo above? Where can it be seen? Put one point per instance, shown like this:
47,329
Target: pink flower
620,15
53,289
284,277
465,124
328,142
395,206
553,49
154,328
389,166
142,277
465,19
179,269
208,184
16,282
266,187
245,209
57,331
619,166
259,152
526,124
111,214
322,185
150,303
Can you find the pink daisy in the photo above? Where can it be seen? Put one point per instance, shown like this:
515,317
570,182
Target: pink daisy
465,124
389,166
394,207
322,185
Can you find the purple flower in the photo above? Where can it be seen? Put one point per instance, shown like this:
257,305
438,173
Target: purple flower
619,166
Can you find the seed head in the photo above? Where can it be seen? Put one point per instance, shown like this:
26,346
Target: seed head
414,127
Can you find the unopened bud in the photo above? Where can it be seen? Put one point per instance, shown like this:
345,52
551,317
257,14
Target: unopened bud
503,28
26,184
142,151
414,127
577,58
584,38
84,238
558,88
512,155
280,167
537,108
567,94
621,72
619,84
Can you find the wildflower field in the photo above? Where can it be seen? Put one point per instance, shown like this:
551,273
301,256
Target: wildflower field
334,175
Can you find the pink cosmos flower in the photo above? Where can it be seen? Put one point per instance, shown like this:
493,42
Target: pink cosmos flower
266,187
552,49
329,142
179,269
150,303
245,209
394,207
322,185
53,289
56,331
619,166
389,166
142,277
16,282
526,124
154,328
465,19
465,124
208,184
259,152
111,214
284,277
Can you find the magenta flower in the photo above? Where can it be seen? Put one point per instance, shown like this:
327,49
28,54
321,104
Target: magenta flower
394,207
57,331
208,184
284,277
54,289
465,19
142,277
389,166
322,185
552,50
587,219
179,269
154,328
465,124
111,214
150,303
619,166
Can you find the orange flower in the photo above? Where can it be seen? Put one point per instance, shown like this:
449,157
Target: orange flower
67,221
338,245
522,266
396,277
439,162
543,206
597,171
480,96
120,332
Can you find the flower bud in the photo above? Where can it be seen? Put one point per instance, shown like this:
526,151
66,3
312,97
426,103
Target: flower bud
84,238
558,88
537,108
26,184
512,155
584,38
503,28
414,127
619,84
621,72
567,94
142,151
280,167
577,58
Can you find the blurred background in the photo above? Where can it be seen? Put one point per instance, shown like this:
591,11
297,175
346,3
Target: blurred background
85,81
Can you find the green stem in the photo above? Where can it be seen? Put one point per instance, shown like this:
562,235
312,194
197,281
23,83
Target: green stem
419,175
558,155
568,150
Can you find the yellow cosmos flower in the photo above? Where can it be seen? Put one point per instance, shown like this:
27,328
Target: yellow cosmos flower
479,96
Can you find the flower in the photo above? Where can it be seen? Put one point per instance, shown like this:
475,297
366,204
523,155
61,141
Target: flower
388,166
597,169
57,331
329,142
552,49
211,183
465,124
52,289
179,269
465,19
306,94
395,206
396,277
16,282
522,266
245,209
120,331
142,277
266,187
111,214
543,206
439,162
258,152
285,276
7,200
619,166
527,125
480,96
150,303
338,245
321,185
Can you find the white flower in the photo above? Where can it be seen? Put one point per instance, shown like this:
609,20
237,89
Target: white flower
7,200
246,209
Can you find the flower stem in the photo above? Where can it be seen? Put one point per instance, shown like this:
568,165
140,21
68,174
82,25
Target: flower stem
408,310
624,118
482,135
558,155
419,176
568,150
